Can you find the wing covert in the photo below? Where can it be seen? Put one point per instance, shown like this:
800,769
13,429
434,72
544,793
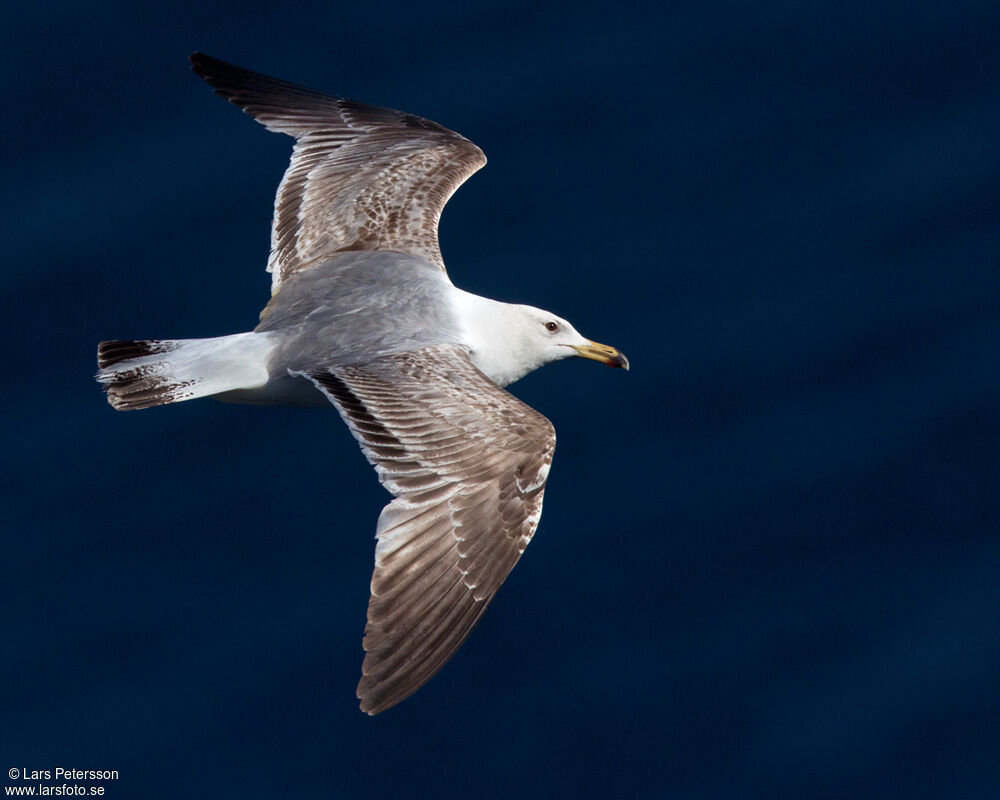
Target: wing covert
360,177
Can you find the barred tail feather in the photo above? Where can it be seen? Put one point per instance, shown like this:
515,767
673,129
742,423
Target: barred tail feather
152,372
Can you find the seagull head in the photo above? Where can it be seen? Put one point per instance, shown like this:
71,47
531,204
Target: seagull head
551,338
507,341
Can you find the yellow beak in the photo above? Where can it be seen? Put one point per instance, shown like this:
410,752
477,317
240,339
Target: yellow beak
603,353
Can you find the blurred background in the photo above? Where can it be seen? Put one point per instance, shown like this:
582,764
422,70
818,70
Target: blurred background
768,565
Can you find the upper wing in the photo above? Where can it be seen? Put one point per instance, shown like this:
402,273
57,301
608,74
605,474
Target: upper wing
467,463
360,178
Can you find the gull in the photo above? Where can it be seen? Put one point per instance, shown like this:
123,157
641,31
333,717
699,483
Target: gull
363,316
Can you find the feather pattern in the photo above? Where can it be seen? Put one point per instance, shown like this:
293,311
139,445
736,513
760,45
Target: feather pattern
467,463
360,178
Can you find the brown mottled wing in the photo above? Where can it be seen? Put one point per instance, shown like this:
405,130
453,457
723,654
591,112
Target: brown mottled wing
360,177
467,463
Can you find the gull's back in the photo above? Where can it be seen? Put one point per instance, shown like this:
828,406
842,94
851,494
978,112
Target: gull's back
359,306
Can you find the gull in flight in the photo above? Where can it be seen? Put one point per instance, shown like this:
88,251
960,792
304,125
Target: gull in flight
363,316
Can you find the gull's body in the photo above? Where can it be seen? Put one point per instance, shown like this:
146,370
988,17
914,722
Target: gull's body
363,316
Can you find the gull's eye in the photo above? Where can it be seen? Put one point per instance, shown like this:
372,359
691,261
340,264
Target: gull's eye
551,327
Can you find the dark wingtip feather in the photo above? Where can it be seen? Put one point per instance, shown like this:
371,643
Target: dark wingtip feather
266,99
208,67
222,76
216,70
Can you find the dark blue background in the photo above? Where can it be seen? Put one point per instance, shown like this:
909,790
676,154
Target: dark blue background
769,563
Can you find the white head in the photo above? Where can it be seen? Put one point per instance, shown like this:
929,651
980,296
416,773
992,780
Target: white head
509,341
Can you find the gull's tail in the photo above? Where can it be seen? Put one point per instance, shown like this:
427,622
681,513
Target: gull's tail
152,372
